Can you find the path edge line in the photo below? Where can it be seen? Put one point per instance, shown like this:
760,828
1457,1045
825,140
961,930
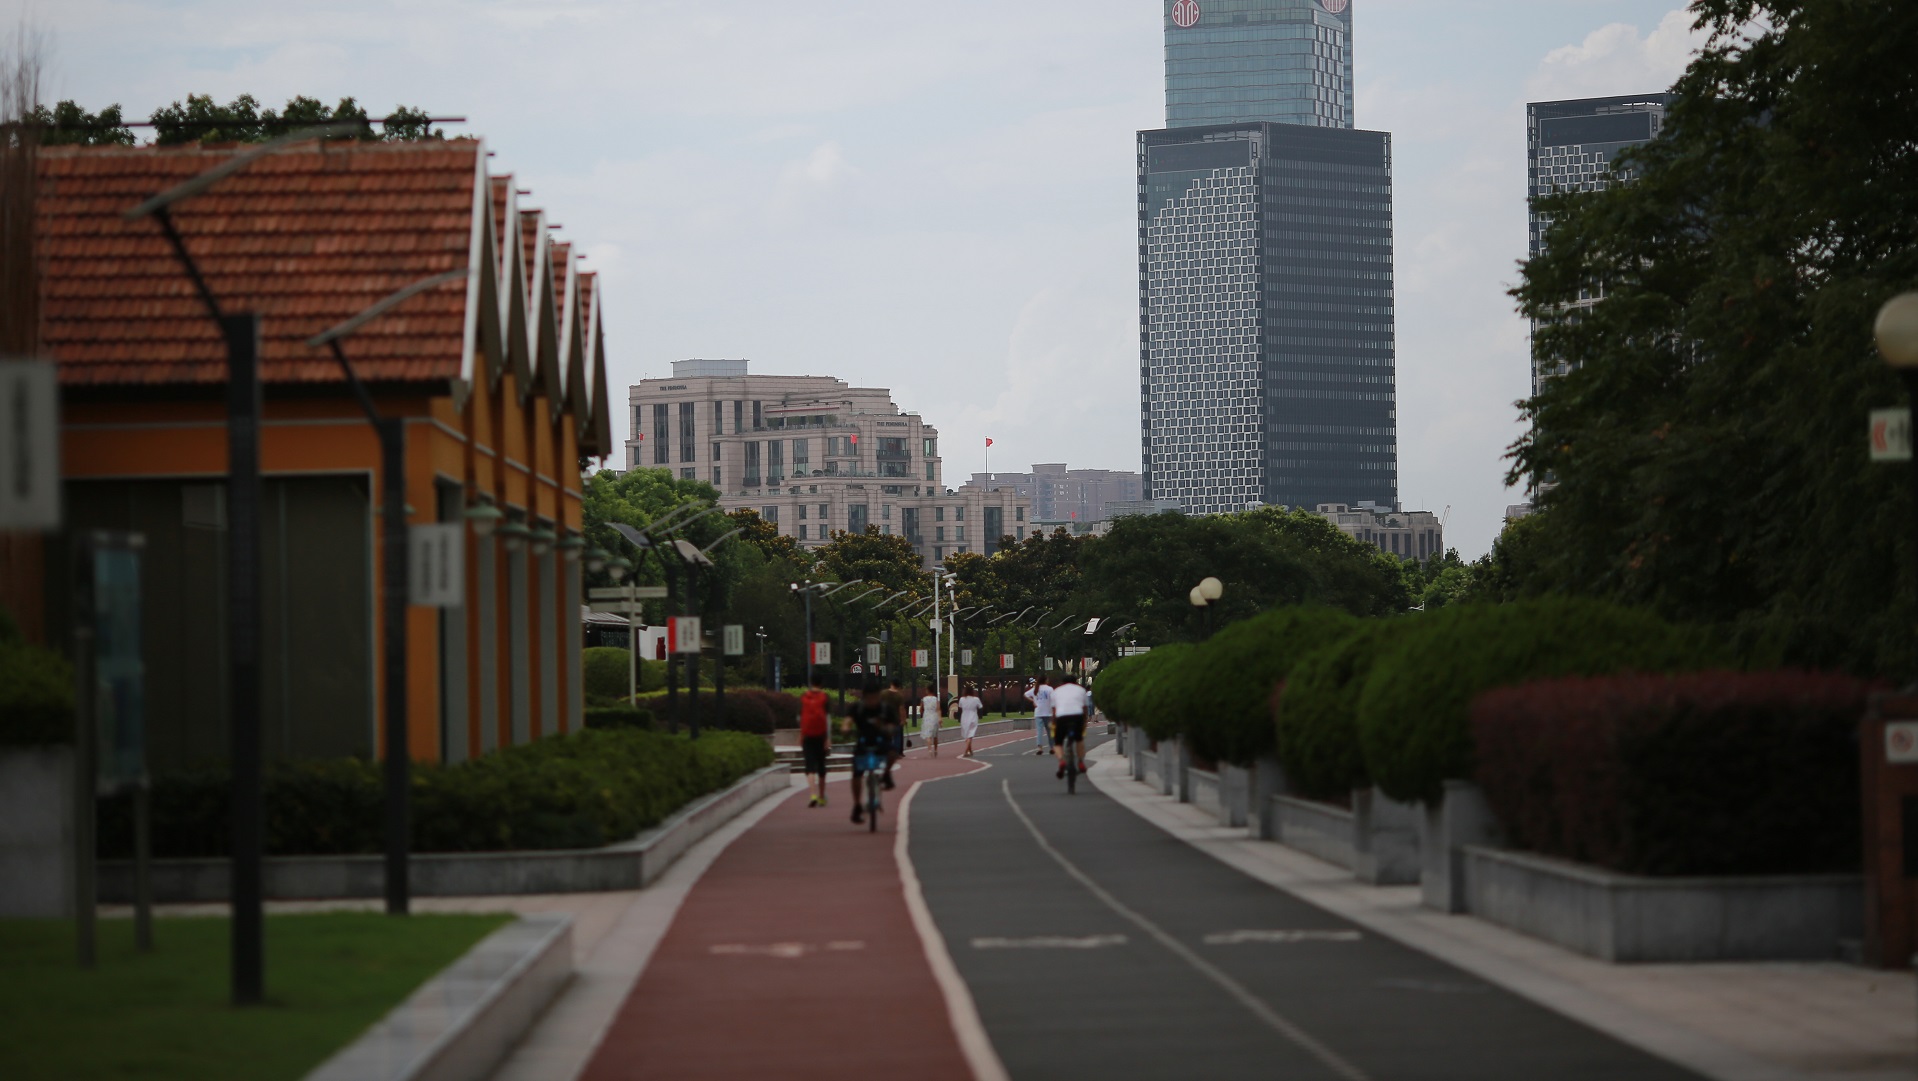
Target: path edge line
961,1012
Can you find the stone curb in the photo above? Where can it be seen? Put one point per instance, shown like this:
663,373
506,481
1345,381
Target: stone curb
458,1024
628,865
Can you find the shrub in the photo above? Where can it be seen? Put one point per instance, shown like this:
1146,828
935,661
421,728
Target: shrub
607,672
783,707
36,695
1316,712
744,711
1414,724
1154,694
1229,680
1707,773
586,789
1112,687
618,717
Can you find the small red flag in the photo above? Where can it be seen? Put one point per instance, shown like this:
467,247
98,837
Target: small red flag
988,441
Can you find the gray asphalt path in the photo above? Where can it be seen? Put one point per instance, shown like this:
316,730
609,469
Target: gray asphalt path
1097,946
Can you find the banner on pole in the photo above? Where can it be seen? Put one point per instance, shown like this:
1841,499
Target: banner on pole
921,657
1005,660
682,634
822,653
965,657
435,567
872,653
735,636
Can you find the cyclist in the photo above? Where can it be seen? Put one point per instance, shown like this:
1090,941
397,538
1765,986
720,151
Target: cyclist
871,742
1069,723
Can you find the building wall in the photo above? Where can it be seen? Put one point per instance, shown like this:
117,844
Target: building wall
1413,534
1240,61
1057,493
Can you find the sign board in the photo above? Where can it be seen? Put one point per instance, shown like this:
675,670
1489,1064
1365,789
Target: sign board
436,564
620,593
29,445
1901,742
1086,664
921,657
1048,664
682,634
936,624
1134,651
872,653
1005,660
857,668
119,669
1185,14
1092,625
1890,435
619,608
965,657
734,636
822,653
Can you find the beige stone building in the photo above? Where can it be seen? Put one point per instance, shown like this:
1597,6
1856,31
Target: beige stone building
813,455
1414,534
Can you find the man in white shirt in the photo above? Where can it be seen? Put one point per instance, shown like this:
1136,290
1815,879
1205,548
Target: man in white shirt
1040,696
1069,723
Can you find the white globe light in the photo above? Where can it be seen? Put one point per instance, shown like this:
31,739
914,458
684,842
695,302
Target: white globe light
1897,331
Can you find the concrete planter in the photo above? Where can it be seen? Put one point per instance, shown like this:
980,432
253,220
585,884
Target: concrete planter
1235,793
1318,829
1203,784
1385,836
1267,781
36,832
1462,819
1617,917
626,866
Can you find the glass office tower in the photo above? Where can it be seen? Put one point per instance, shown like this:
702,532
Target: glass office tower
1266,316
1569,146
1243,61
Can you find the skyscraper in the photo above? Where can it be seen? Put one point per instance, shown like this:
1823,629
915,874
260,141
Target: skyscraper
1569,146
1265,267
1234,61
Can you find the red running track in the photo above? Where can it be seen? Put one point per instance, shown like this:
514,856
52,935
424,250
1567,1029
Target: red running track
795,956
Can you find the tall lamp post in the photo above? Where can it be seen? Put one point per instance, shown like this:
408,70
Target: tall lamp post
1896,331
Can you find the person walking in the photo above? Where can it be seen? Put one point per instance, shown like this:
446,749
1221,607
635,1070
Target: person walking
969,709
1040,695
929,721
813,726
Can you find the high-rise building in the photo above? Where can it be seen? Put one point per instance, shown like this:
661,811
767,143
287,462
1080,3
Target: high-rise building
1057,493
1241,61
1267,370
1265,266
1569,146
813,455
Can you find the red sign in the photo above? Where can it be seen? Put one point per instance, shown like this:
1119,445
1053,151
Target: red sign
1186,12
1333,6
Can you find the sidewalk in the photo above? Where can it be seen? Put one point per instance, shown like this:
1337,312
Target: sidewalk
1783,1021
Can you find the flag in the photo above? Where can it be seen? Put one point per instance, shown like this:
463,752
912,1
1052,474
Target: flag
988,441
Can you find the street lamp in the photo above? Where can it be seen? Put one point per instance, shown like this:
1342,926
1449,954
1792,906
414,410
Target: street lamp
1896,330
1208,590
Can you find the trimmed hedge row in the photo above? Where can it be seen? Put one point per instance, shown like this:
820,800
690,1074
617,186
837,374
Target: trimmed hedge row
581,790
1223,693
1707,773
1317,714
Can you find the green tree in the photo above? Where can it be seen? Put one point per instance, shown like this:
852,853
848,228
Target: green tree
881,559
66,124
1705,449
201,119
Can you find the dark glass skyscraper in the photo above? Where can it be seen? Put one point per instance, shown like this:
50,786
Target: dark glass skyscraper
1265,273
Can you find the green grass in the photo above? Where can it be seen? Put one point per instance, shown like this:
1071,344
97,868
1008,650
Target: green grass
165,1015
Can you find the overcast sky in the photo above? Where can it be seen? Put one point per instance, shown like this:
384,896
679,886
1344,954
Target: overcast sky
932,197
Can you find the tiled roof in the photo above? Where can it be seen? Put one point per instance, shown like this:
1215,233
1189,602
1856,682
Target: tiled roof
562,256
306,237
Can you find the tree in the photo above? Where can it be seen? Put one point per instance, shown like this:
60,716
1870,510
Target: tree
66,124
1705,451
766,537
883,559
201,119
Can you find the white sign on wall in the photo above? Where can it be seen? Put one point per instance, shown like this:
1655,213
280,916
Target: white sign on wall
436,564
29,445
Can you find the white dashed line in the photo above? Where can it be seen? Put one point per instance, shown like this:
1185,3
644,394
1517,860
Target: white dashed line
1049,942
1234,938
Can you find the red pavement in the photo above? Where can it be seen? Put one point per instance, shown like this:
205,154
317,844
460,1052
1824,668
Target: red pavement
795,957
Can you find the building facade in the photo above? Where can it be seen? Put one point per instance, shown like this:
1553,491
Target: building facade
1267,358
1569,146
813,455
1243,61
1416,534
1059,494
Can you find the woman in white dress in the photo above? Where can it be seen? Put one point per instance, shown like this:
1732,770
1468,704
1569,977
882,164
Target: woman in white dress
969,709
929,721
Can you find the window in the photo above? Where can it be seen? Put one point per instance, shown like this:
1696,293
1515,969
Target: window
958,514
775,461
885,512
719,421
759,420
716,483
686,443
938,554
689,473
938,514
802,456
929,475
662,434
718,449
958,532
1019,515
825,511
739,415
1021,533
932,448
886,530
771,514
856,517
802,532
803,508
752,464
939,533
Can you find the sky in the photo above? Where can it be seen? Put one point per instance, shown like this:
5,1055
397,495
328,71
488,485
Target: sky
937,198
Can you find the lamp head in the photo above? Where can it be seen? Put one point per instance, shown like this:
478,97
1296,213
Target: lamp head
1197,598
1211,588
1896,330
484,517
616,569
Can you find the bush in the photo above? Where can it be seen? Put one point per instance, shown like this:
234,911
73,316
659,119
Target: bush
1155,693
618,717
1112,687
1414,722
36,695
1229,680
745,711
783,707
1708,773
1316,713
587,789
607,671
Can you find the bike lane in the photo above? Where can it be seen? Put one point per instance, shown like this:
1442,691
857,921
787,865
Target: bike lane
796,955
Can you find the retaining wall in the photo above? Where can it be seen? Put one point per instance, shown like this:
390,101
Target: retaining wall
36,832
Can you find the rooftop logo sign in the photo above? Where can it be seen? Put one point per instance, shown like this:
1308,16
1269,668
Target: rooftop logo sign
1186,12
1333,6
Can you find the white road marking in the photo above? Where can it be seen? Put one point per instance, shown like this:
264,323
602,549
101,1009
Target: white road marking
1257,1006
1049,942
783,950
1234,938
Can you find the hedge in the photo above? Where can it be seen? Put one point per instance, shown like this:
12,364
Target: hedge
1154,694
1316,716
618,717
746,710
1712,773
1229,680
36,695
607,672
1112,687
581,790
1414,721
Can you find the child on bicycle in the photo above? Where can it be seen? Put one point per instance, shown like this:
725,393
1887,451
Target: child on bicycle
871,744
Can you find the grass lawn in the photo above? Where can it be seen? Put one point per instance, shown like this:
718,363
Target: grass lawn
165,1015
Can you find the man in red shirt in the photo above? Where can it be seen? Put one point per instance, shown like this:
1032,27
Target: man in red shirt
813,739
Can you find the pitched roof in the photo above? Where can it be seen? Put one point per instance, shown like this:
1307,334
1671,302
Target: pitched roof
307,237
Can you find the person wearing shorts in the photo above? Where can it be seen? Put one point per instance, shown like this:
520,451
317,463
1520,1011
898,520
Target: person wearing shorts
1041,698
1069,723
813,736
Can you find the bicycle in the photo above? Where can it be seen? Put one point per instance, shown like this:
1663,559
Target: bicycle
1073,745
872,762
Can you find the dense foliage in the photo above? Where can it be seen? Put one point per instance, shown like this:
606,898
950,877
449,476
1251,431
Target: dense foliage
1413,715
1227,685
1709,773
582,790
36,692
745,710
1317,716
1707,446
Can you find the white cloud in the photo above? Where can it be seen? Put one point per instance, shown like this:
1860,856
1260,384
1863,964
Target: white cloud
1614,59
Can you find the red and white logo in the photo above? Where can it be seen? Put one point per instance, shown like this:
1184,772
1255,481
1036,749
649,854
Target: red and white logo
1186,12
1333,6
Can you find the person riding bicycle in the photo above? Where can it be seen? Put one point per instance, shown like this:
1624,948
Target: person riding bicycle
1069,723
872,742
893,699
